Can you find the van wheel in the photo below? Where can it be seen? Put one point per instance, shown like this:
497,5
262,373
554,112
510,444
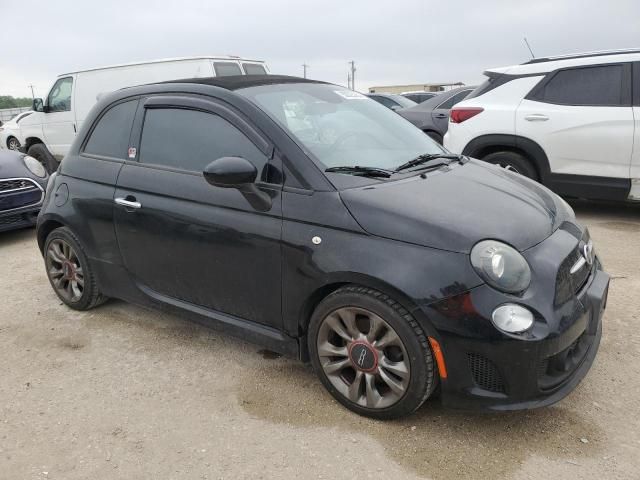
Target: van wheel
513,161
435,136
13,143
370,353
40,153
70,272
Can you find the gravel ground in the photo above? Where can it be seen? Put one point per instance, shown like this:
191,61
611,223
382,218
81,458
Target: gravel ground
123,392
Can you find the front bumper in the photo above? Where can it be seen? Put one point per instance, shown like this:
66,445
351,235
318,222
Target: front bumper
22,219
490,370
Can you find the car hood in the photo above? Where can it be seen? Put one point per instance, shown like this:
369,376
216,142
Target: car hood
452,209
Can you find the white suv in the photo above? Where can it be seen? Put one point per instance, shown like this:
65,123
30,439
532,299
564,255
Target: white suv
569,122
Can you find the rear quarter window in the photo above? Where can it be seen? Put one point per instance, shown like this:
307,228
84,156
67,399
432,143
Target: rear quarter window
110,135
254,69
225,69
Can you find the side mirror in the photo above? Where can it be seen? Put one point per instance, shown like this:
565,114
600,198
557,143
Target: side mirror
237,172
395,108
230,172
38,105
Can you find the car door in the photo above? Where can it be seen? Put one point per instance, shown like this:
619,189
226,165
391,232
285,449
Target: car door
583,120
185,240
59,123
634,170
440,114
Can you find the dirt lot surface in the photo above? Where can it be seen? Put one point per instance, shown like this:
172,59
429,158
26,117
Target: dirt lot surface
125,393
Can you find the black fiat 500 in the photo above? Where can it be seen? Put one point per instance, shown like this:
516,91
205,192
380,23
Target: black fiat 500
316,222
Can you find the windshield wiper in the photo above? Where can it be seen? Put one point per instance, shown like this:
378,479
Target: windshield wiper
430,160
362,171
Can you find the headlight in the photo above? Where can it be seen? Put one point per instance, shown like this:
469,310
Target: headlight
501,266
34,166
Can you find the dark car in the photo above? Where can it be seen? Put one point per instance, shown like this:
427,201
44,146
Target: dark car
419,97
391,100
23,181
307,218
432,116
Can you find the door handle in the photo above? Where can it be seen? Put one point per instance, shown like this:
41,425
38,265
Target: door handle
128,203
536,117
441,115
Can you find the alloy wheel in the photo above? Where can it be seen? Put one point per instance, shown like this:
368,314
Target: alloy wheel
65,270
363,357
13,144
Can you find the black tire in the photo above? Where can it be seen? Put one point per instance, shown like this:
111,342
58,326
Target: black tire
40,152
435,136
513,161
422,376
13,143
90,296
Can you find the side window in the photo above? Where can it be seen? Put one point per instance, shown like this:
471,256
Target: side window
190,140
385,101
595,86
254,69
224,69
59,99
110,136
457,98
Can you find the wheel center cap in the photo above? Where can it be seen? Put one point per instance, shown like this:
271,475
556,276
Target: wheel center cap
363,356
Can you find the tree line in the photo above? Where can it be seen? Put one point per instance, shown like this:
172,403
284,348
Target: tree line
7,101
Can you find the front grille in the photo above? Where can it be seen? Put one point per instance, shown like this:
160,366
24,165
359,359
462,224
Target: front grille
486,374
16,184
554,370
569,284
18,193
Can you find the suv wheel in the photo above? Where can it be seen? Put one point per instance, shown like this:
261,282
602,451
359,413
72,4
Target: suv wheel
40,153
70,272
370,353
513,161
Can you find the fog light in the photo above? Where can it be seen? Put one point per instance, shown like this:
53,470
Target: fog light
512,318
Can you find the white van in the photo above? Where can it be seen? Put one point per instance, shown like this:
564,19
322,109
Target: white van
47,134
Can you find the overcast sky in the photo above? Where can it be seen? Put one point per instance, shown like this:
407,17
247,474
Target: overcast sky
392,42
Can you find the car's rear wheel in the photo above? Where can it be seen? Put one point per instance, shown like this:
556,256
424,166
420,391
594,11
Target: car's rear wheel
70,272
39,152
513,161
370,353
13,143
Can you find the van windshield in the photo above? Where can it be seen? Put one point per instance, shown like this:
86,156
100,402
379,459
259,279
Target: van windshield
340,127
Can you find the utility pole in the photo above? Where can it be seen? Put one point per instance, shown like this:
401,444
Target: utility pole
353,74
304,69
349,80
32,95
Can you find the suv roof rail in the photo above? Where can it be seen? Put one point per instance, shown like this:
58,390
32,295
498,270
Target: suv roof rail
570,56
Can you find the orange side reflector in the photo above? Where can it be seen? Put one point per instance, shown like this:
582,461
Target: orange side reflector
437,352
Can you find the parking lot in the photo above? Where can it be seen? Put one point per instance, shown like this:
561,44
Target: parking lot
122,392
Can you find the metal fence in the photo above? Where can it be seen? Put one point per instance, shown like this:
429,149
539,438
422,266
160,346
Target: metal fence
9,113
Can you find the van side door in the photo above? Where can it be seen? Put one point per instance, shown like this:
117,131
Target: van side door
58,121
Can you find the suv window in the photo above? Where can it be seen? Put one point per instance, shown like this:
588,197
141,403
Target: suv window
60,95
387,102
224,69
451,101
254,69
191,139
595,86
110,136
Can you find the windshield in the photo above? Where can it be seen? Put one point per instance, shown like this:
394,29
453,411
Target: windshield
340,127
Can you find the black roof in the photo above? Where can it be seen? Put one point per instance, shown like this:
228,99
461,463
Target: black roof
580,55
235,82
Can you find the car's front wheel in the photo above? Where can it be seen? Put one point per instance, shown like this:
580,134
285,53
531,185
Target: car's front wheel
69,271
370,353
13,143
40,152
